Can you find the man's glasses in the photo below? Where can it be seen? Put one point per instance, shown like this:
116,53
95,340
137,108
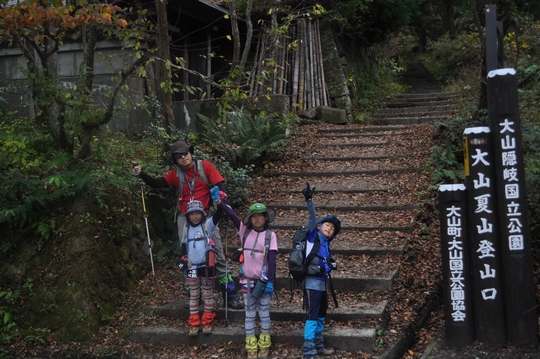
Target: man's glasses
181,155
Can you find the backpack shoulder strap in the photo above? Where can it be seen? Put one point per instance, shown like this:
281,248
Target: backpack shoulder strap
202,174
180,188
267,239
314,250
184,233
199,171
246,234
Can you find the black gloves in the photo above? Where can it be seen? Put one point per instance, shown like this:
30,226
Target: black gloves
308,192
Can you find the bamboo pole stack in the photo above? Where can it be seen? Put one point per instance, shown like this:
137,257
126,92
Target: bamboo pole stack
296,69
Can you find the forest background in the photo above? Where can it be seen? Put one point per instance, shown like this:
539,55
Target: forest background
70,210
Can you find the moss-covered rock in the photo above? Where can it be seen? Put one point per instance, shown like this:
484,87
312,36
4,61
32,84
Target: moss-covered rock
75,281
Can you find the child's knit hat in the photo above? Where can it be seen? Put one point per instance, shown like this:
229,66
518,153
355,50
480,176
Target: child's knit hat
259,208
193,206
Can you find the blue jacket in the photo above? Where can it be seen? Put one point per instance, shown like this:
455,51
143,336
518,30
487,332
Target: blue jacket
323,254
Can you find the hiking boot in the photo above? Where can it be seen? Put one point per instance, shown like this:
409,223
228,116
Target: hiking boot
252,355
235,304
193,331
207,329
263,354
325,351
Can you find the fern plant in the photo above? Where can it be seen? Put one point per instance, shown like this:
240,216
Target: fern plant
243,138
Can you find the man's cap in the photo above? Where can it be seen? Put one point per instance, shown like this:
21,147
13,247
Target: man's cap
181,147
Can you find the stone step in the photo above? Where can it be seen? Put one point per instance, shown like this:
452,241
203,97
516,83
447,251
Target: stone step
336,189
408,121
401,103
358,227
374,163
362,134
370,130
342,337
413,109
356,144
430,96
328,185
361,282
377,277
370,251
426,96
348,243
278,313
342,173
411,114
338,206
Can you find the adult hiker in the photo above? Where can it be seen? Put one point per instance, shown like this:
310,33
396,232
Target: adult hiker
193,180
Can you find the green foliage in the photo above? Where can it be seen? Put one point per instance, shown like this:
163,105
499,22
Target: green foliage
244,138
531,150
372,20
447,168
373,86
447,56
72,109
7,310
10,300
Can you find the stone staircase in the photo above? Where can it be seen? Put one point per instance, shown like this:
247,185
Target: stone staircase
363,175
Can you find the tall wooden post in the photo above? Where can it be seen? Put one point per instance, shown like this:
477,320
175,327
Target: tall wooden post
484,237
494,39
457,291
519,289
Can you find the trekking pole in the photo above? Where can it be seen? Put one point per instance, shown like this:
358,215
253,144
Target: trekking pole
226,281
145,215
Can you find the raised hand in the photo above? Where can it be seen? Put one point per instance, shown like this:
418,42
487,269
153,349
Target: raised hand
214,192
136,168
308,192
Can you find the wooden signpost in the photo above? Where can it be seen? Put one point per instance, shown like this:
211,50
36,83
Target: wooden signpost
484,237
496,224
517,263
457,291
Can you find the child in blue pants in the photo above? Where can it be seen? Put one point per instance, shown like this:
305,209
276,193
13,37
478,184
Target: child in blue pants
320,234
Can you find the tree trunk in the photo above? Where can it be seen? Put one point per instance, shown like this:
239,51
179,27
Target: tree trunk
249,35
482,98
235,36
447,12
163,74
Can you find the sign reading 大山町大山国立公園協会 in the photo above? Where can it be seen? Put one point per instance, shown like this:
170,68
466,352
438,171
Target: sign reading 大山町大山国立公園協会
457,291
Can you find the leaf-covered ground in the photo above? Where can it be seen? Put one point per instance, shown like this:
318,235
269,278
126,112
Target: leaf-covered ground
417,283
